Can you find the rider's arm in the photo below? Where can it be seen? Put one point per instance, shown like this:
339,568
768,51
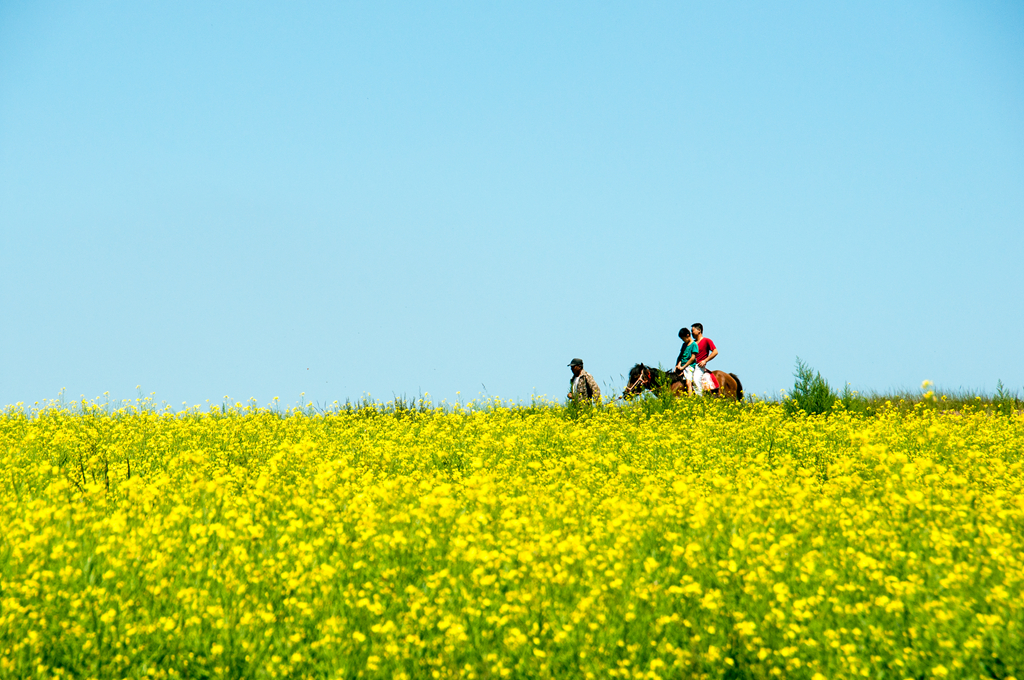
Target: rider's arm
714,353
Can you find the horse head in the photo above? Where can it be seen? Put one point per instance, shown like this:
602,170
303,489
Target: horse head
639,380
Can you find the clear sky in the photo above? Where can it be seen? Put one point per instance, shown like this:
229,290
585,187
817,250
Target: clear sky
366,198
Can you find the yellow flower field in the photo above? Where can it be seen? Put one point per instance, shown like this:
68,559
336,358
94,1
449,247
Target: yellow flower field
709,540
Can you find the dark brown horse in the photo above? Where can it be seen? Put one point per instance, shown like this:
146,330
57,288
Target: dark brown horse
643,378
649,378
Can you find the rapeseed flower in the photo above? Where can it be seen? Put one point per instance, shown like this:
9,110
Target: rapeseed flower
708,540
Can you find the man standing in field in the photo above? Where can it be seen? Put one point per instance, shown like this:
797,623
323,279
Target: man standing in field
582,386
687,359
706,351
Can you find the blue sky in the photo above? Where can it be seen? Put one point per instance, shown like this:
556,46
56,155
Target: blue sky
261,200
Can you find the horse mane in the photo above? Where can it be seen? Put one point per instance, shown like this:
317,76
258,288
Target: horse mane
656,373
641,366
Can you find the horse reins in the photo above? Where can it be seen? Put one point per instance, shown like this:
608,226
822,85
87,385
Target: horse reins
629,388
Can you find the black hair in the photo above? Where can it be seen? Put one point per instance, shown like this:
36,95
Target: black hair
684,333
699,327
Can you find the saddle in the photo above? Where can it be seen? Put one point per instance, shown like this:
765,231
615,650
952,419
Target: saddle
710,382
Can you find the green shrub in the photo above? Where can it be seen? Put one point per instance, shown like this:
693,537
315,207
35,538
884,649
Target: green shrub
811,393
1005,402
853,402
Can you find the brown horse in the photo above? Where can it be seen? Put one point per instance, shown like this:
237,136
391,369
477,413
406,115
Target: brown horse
649,378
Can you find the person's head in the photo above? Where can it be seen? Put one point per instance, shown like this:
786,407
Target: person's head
577,366
684,334
698,330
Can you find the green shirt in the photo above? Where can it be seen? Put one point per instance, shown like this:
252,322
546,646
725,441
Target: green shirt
686,352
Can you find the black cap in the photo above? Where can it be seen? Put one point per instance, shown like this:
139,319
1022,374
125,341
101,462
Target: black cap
576,362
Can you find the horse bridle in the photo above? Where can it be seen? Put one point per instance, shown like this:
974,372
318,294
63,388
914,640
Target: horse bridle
629,387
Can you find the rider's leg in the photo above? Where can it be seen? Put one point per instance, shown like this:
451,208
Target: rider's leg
698,380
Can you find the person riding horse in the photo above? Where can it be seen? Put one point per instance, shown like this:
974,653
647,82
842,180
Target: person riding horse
691,373
643,378
687,358
706,351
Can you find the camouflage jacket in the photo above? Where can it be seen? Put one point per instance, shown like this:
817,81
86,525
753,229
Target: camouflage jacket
585,388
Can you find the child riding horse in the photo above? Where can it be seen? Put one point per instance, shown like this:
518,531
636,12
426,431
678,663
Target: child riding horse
649,378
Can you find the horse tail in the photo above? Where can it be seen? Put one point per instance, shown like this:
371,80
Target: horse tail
739,387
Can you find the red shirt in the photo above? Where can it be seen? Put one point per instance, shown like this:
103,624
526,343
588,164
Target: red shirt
704,348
